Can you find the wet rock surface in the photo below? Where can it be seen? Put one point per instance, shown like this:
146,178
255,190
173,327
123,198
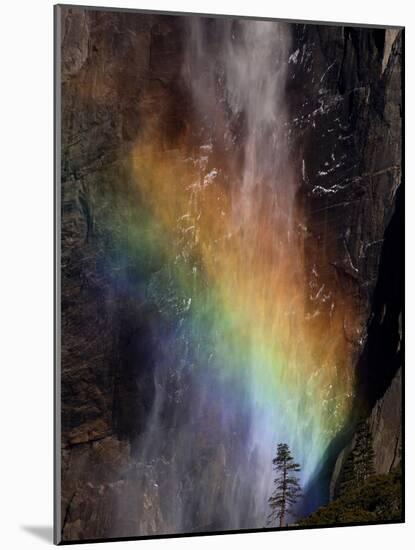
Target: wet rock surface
347,124
347,121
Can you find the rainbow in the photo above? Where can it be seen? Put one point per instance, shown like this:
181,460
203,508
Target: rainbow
237,276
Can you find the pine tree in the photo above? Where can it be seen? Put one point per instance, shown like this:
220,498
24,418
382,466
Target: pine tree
360,462
287,487
364,453
348,474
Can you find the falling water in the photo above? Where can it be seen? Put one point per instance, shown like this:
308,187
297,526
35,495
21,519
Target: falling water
238,353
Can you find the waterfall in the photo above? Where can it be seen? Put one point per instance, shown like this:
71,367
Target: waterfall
239,364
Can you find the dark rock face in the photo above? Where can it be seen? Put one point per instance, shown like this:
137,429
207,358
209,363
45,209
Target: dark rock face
116,70
346,85
346,105
347,109
379,389
386,427
383,353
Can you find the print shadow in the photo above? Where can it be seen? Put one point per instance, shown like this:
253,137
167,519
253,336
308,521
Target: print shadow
43,532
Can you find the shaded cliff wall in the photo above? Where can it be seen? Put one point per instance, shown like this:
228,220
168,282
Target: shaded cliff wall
346,91
379,388
116,71
385,424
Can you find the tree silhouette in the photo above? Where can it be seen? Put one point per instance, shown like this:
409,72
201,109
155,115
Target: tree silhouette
360,462
287,489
